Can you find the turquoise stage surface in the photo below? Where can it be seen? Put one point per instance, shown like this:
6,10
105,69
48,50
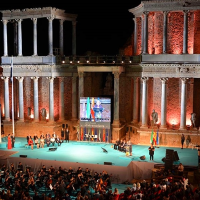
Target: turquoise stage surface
92,152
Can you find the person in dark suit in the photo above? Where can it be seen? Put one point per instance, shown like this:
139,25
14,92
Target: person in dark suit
67,135
182,140
27,138
13,140
62,134
116,145
151,151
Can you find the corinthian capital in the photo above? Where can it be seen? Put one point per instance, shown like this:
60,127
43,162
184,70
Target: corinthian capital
184,80
163,80
144,78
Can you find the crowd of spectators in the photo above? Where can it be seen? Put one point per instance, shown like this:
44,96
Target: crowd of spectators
66,184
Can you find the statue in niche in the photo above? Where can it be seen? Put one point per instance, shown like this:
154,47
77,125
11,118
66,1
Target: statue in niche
154,116
193,119
43,113
29,111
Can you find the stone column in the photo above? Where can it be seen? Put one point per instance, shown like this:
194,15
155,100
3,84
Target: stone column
51,99
21,98
74,100
136,93
135,36
5,41
185,32
73,38
61,37
61,100
15,32
36,105
34,36
163,104
140,113
142,34
50,35
145,49
6,98
165,14
116,122
19,36
144,102
183,104
81,88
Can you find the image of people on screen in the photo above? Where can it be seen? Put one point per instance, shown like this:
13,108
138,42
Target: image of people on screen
98,109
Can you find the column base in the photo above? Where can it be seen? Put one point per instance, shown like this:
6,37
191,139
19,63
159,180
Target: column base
134,121
74,119
163,126
182,128
7,120
143,126
51,121
193,128
116,123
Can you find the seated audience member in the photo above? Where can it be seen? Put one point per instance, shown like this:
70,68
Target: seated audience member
180,169
20,166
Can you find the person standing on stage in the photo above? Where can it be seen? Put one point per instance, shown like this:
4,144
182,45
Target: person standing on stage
151,151
67,135
13,140
129,143
62,134
9,142
182,140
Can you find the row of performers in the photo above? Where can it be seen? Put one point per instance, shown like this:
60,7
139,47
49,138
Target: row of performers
123,146
42,140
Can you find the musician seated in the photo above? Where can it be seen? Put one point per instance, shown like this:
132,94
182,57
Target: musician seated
53,140
48,141
42,141
58,140
116,145
37,142
30,143
123,146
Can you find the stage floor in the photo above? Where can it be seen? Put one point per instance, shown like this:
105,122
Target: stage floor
91,154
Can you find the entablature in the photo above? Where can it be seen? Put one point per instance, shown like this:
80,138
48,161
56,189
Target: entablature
171,70
165,5
29,13
39,70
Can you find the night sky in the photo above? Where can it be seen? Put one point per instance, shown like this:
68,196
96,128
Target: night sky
101,27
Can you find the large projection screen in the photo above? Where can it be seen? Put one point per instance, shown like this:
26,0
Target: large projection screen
95,112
